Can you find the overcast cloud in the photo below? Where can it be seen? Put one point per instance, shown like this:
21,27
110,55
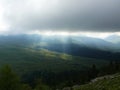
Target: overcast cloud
60,15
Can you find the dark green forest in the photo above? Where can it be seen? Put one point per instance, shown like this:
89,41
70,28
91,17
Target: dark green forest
10,80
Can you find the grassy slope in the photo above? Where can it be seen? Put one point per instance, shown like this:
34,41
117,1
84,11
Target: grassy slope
109,83
28,59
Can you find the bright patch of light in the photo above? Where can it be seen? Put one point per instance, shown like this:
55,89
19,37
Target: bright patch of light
65,33
43,6
96,34
53,33
3,25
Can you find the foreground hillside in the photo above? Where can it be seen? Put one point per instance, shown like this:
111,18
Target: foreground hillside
111,82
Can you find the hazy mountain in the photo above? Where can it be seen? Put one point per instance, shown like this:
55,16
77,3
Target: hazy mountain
73,45
95,43
113,38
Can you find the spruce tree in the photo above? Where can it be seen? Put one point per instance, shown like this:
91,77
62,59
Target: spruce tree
8,79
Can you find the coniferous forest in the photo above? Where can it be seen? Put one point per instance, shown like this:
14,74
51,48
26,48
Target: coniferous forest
10,80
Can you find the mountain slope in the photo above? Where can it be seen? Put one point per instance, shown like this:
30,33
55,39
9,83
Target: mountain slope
76,46
28,60
111,82
113,38
95,43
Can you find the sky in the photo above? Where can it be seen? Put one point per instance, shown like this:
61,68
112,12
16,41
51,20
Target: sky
73,16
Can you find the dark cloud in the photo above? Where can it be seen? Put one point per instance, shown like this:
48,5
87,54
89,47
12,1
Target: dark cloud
58,15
